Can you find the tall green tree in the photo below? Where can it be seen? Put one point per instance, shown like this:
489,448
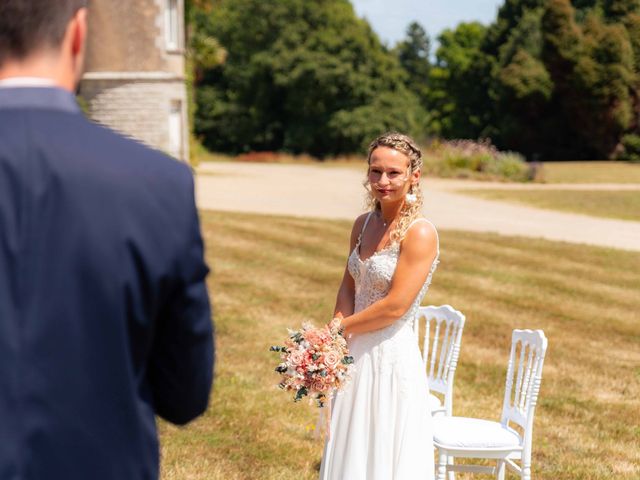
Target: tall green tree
458,83
302,76
413,53
619,9
203,52
592,69
550,78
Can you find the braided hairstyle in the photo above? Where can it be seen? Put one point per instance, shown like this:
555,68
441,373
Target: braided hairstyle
409,211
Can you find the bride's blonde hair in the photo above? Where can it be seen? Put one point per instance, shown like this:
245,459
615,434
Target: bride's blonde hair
409,211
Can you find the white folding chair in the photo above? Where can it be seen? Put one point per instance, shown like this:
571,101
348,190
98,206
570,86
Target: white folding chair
440,351
463,437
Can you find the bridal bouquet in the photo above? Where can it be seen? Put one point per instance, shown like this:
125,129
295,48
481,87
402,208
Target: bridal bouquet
314,362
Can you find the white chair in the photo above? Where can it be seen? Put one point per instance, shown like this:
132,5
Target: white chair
440,351
463,437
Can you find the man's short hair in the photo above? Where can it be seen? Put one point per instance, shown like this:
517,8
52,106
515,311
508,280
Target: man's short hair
30,25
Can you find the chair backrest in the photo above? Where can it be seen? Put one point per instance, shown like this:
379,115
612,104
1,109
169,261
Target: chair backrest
440,347
524,374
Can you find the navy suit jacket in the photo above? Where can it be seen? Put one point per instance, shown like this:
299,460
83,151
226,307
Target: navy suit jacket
104,313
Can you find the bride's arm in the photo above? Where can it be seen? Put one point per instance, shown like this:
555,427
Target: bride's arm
346,296
419,249
346,293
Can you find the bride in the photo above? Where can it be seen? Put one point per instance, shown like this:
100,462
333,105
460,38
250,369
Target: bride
381,422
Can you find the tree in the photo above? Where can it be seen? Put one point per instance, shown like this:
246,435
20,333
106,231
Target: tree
458,84
300,76
592,68
549,78
203,51
617,10
413,54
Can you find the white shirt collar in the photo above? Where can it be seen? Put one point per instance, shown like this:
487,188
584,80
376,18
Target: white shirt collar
27,82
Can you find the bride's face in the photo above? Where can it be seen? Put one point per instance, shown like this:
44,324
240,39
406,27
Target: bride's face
389,175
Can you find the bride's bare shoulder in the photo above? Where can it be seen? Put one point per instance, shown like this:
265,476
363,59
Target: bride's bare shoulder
421,235
359,221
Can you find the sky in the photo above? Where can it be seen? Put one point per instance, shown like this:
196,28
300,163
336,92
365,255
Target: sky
390,18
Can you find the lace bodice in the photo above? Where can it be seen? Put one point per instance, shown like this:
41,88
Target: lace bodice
373,277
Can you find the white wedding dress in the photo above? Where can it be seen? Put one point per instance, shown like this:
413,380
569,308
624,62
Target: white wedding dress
381,421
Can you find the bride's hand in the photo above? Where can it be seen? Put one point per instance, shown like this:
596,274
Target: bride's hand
337,320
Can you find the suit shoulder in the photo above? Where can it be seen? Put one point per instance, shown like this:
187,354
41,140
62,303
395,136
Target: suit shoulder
135,154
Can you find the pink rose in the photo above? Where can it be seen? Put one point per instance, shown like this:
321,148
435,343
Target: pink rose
318,386
296,357
331,359
312,337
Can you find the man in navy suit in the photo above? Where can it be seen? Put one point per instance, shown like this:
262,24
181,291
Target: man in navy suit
104,315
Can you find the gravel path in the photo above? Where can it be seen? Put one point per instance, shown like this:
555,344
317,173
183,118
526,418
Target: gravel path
337,192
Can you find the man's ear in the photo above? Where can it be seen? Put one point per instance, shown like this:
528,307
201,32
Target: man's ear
78,26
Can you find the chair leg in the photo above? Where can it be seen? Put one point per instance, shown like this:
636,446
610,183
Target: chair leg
451,475
500,470
526,471
441,472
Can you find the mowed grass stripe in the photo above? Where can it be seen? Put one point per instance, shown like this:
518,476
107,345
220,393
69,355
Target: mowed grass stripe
270,273
591,172
525,282
624,205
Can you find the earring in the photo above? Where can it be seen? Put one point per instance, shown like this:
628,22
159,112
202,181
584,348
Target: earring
410,198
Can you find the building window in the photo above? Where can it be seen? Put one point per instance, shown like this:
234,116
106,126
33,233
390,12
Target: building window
175,129
172,25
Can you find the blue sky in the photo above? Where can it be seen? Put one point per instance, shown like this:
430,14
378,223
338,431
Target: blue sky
389,18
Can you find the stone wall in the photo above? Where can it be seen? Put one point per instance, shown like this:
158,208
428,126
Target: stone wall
132,77
129,36
138,108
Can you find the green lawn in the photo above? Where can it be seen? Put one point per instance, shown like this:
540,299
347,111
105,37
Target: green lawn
591,172
273,272
622,204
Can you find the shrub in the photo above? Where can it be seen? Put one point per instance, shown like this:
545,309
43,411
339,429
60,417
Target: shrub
631,144
471,159
274,157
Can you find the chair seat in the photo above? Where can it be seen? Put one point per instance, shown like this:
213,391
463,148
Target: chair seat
435,403
473,433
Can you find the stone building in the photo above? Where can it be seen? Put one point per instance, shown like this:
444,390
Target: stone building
134,80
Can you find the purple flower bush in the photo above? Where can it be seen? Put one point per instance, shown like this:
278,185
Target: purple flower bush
475,159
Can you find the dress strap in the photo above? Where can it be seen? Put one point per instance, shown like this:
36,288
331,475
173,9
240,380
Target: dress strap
362,231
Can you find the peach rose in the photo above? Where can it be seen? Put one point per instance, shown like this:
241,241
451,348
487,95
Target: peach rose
296,357
312,337
318,386
331,359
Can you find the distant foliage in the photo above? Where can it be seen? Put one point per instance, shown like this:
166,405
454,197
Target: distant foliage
301,76
457,96
479,160
203,51
273,157
631,148
413,54
551,79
